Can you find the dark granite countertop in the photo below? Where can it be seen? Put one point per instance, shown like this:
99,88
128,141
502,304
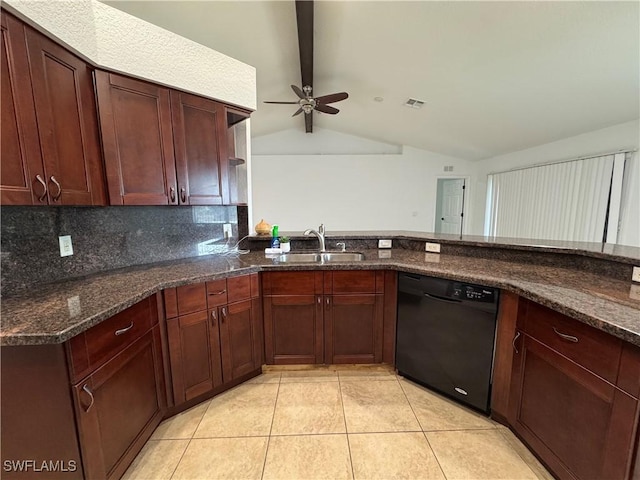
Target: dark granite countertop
54,313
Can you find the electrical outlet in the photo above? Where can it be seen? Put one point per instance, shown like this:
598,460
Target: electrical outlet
432,247
384,243
384,254
66,247
432,258
635,276
226,229
634,292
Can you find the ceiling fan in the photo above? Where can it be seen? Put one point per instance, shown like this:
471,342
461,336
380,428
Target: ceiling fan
307,103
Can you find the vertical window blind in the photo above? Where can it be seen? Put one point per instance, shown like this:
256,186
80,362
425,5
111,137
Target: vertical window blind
560,201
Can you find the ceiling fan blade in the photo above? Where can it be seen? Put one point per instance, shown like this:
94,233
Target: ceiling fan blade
334,97
298,112
283,103
298,91
326,109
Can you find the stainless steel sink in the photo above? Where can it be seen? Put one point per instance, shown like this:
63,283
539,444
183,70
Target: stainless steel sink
317,257
342,257
299,258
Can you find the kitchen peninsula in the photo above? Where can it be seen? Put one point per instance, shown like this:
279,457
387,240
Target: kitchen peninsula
589,291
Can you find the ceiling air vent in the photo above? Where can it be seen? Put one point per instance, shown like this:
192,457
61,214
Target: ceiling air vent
414,103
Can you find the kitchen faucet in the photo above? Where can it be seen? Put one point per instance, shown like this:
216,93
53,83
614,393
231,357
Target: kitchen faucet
318,233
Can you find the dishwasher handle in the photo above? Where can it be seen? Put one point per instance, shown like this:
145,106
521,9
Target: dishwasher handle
442,299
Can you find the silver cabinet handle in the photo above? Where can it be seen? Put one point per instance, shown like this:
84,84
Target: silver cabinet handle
42,197
56,197
90,393
124,330
564,336
319,300
514,342
183,195
224,314
172,194
219,292
327,300
213,318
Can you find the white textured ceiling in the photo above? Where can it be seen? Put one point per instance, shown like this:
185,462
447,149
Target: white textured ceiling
496,76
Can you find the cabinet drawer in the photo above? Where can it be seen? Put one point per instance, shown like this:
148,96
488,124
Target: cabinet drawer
238,288
113,335
349,282
593,349
292,283
217,293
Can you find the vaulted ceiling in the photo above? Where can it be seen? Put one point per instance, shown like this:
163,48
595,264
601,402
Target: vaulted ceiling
495,77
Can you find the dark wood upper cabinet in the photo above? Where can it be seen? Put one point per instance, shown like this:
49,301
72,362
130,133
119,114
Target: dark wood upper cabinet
199,134
135,120
162,146
50,144
21,159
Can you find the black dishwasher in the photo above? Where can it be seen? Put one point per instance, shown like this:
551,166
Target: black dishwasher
446,336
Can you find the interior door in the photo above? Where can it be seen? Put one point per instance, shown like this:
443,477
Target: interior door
450,205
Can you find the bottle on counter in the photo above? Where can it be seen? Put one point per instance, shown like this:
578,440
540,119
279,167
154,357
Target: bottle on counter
275,239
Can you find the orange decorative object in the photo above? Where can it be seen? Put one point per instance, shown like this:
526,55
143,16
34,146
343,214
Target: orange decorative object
263,228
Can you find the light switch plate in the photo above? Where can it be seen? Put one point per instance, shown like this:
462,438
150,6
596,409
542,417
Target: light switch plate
635,276
226,228
384,243
432,247
66,247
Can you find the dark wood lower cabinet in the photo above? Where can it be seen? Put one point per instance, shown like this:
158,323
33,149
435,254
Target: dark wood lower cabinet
119,406
293,329
329,317
238,339
37,414
353,328
215,336
194,349
580,425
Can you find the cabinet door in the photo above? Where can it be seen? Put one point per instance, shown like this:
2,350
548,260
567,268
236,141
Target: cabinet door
21,161
135,121
199,135
353,328
119,406
67,123
580,425
194,349
237,340
293,329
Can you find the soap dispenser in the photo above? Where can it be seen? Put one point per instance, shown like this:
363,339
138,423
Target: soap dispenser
275,240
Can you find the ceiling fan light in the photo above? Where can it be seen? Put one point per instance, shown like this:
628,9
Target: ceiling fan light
307,108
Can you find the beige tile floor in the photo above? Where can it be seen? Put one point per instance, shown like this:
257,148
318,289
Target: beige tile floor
345,424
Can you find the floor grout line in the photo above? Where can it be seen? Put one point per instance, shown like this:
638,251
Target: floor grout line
346,432
273,416
424,434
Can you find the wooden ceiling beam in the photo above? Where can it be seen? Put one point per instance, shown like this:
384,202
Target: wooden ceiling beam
304,18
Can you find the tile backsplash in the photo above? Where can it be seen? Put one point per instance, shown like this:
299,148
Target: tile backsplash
106,238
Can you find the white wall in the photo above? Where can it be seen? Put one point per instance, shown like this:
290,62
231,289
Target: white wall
115,40
346,191
618,137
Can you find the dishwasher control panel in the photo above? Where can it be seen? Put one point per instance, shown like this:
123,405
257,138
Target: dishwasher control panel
471,292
